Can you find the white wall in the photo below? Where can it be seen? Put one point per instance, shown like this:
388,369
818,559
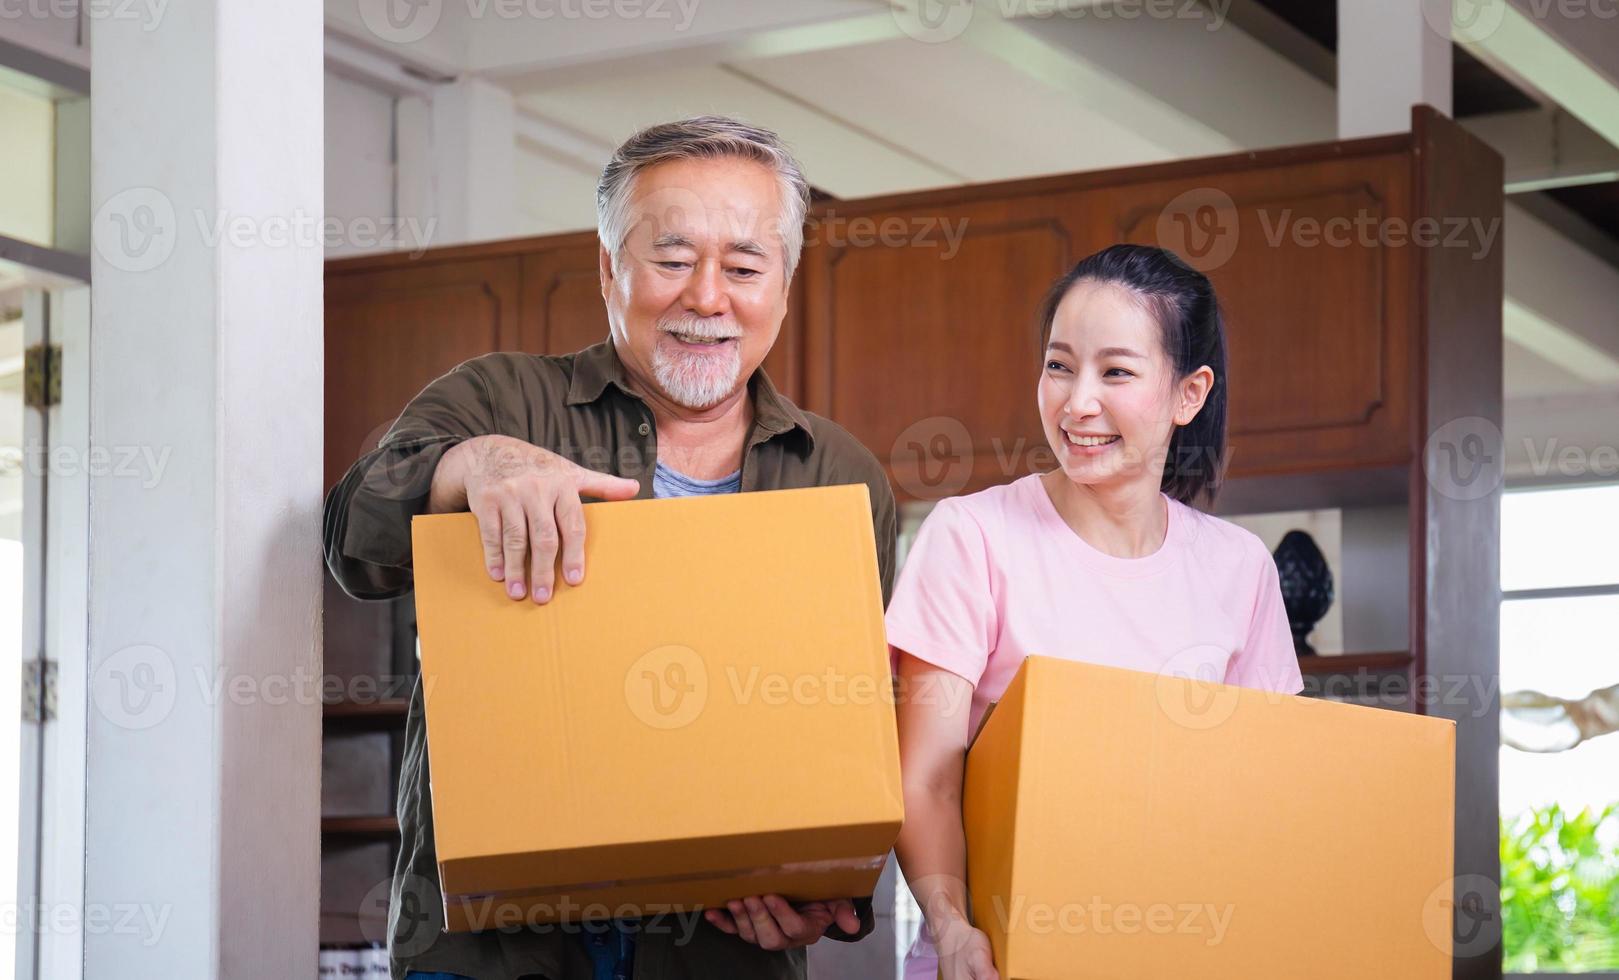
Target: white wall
359,163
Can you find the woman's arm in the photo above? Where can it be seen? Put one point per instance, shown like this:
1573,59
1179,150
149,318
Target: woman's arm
933,709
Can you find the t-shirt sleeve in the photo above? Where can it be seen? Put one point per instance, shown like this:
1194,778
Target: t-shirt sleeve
943,610
1267,660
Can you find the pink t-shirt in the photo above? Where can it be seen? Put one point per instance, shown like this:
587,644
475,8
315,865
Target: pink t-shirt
997,575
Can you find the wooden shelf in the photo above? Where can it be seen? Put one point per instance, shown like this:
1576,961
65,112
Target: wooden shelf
1349,663
363,827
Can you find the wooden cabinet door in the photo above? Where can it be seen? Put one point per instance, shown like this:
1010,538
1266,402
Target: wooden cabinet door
920,333
562,301
1317,284
391,330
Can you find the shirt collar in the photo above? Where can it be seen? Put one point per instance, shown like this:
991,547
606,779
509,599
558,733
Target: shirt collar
594,368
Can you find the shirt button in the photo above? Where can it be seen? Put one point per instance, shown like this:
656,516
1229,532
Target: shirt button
644,429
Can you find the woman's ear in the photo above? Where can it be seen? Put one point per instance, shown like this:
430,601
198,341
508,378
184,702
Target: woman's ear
1194,391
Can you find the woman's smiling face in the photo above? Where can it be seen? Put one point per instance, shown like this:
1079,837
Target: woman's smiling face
1109,396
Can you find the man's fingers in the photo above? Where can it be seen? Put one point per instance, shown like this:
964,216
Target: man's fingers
513,546
489,531
603,486
796,927
764,925
744,924
571,525
844,914
721,920
542,546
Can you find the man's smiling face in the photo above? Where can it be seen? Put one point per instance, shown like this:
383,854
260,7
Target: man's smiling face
698,290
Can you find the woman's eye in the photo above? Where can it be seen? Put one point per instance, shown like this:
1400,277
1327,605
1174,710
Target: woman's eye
1121,372
1056,366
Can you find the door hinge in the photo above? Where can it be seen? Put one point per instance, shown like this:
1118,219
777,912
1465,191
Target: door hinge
38,690
42,375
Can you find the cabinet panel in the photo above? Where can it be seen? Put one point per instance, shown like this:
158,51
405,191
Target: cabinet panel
1316,279
928,350
562,301
391,331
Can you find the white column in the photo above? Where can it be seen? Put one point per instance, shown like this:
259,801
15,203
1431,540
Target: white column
1392,54
458,161
203,741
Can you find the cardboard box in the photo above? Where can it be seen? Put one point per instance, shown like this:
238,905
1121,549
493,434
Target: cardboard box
709,715
1127,824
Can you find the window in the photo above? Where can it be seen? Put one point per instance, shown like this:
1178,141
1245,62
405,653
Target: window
1560,746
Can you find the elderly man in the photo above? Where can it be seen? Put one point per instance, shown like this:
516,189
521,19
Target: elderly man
701,226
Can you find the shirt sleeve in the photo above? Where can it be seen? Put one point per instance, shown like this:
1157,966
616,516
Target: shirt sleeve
366,526
943,611
1267,660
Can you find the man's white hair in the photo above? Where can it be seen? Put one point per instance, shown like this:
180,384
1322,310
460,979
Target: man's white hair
700,138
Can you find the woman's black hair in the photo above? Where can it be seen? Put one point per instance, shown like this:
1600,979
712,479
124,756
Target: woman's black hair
1182,300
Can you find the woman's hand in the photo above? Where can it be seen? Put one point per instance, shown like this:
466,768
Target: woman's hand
964,952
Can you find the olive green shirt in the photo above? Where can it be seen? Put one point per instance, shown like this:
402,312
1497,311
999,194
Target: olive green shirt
580,407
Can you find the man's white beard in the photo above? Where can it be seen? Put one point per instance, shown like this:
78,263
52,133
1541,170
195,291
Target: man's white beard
693,379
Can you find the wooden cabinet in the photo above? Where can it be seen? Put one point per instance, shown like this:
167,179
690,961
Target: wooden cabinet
1318,303
390,329
920,333
929,353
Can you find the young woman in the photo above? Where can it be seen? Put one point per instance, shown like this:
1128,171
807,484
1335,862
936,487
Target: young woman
1101,560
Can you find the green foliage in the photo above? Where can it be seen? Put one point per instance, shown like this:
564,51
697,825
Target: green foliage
1560,891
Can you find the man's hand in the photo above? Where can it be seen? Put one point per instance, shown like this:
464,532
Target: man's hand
771,922
527,503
